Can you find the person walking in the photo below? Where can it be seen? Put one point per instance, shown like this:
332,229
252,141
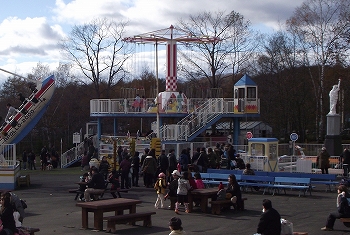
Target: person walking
43,158
345,159
135,164
163,162
24,159
31,160
322,160
160,187
124,168
182,192
172,162
149,169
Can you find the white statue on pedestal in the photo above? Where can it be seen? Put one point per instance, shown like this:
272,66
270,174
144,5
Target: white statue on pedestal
333,99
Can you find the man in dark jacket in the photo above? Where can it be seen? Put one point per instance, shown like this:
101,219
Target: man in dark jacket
172,162
95,185
135,164
345,157
163,162
270,220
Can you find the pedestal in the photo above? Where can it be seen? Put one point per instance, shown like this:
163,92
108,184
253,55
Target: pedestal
333,124
333,145
333,139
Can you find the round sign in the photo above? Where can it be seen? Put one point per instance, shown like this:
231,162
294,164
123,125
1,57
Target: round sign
294,136
249,135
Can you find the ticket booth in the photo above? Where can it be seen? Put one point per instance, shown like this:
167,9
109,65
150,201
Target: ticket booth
246,96
263,154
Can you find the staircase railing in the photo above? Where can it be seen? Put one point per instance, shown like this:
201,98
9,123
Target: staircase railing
193,122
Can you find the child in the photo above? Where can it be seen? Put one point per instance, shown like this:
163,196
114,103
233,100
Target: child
82,187
182,191
113,178
160,187
191,180
199,181
175,226
221,195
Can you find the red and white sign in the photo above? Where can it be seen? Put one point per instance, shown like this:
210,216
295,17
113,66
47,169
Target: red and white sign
249,135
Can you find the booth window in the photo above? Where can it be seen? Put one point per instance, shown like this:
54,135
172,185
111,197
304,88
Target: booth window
273,152
251,93
258,149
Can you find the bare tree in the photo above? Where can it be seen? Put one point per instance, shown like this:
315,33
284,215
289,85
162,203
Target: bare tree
282,76
213,60
99,52
320,26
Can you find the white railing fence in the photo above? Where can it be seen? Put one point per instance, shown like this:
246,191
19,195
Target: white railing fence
8,156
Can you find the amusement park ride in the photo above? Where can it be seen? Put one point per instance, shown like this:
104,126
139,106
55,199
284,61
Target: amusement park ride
20,124
194,115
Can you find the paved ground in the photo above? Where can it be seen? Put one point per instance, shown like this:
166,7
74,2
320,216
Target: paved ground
52,209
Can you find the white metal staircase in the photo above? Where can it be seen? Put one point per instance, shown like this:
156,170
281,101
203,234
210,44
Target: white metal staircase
193,122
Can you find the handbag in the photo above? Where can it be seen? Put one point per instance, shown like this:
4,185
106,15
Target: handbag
286,227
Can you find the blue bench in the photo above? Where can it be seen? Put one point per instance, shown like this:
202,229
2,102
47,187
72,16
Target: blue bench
301,184
261,173
283,174
326,179
256,181
216,178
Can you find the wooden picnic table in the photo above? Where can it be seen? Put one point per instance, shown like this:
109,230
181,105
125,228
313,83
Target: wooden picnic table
202,194
99,207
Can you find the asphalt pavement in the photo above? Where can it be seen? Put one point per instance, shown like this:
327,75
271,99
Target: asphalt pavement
52,209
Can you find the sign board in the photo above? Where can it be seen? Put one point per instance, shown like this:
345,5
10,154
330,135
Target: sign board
76,138
294,136
249,135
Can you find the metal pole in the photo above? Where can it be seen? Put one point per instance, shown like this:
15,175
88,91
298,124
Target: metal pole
35,81
291,160
157,91
61,153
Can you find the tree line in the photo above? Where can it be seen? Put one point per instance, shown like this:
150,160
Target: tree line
294,67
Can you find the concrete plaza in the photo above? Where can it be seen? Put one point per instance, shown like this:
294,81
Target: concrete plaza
52,209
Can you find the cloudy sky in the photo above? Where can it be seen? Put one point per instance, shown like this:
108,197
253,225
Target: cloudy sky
31,29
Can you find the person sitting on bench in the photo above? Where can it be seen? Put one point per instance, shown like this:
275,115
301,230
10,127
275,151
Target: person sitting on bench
95,185
234,192
342,206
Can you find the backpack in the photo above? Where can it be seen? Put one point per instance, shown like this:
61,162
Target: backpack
156,185
345,181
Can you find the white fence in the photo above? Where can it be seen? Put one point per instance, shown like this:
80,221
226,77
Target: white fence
8,156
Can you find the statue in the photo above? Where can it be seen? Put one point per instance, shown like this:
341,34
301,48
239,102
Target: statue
333,98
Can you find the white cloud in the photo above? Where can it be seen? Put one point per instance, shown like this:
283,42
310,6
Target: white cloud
25,41
150,15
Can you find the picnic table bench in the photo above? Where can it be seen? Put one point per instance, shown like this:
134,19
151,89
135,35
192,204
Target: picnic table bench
346,221
118,205
29,230
203,195
113,192
216,206
129,218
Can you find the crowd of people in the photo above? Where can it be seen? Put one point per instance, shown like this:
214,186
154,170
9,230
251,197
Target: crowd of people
171,176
